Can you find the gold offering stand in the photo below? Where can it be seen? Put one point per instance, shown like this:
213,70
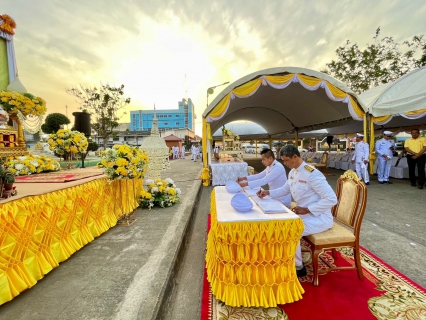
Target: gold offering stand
231,146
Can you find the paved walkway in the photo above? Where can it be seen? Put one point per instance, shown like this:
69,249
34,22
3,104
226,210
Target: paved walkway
143,271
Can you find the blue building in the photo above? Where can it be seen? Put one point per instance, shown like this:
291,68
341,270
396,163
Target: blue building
168,119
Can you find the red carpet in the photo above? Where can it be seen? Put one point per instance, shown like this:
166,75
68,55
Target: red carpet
383,294
55,177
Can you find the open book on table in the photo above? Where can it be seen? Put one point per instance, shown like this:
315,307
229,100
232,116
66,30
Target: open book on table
269,205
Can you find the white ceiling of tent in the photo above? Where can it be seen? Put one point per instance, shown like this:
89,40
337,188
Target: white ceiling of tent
281,111
405,94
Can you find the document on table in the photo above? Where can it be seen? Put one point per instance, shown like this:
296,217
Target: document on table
250,192
270,205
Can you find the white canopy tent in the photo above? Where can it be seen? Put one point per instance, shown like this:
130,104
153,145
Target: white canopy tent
399,104
284,100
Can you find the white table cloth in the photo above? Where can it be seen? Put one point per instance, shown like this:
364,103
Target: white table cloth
226,213
227,171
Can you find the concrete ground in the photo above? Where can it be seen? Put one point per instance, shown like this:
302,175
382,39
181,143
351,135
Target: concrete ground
153,269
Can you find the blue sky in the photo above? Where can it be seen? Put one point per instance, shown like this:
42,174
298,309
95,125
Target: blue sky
149,46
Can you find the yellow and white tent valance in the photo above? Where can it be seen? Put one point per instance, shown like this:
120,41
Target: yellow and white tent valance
412,115
281,82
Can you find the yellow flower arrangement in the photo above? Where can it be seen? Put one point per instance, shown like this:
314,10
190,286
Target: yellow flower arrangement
162,193
123,162
66,141
26,165
25,102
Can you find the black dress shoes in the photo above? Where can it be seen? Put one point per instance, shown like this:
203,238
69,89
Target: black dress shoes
381,182
367,183
420,187
389,182
302,272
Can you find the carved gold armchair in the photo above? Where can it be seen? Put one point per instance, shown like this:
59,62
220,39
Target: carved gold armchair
348,214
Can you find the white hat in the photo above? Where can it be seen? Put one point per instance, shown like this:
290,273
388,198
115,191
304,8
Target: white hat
388,133
360,135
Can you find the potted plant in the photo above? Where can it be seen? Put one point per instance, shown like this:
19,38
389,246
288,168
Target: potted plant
8,180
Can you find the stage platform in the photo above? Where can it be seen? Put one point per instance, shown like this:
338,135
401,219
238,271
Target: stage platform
45,223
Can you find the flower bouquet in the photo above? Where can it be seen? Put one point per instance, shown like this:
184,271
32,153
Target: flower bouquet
26,165
162,193
123,162
27,103
65,142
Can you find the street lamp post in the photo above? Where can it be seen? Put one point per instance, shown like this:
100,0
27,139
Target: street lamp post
205,154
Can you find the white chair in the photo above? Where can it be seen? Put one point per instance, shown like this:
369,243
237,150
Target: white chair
400,171
345,165
331,157
338,157
345,158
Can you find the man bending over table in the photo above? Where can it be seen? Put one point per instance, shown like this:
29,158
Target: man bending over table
312,193
274,176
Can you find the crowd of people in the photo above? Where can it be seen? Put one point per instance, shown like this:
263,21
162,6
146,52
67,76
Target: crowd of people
179,153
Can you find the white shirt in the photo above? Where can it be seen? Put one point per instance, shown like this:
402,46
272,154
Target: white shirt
274,176
362,152
310,189
383,147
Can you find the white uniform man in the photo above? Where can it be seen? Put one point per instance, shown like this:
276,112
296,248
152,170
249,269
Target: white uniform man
312,193
175,152
182,154
360,158
274,176
193,152
384,150
200,152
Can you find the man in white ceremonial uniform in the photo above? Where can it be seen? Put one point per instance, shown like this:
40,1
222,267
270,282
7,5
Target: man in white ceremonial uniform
312,193
360,158
182,154
274,176
193,152
384,151
176,152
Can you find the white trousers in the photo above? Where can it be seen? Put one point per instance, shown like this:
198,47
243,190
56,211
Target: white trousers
383,169
312,225
362,173
182,155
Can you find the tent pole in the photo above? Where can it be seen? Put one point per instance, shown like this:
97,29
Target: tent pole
372,144
297,139
255,148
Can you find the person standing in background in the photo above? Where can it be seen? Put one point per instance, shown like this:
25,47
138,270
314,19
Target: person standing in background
416,148
384,149
182,154
360,158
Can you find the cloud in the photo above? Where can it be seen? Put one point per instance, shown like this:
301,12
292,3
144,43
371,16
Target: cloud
150,45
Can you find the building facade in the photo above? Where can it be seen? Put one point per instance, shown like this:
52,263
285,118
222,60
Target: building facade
168,119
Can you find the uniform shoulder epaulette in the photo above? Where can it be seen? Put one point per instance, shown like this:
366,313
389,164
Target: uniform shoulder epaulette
309,168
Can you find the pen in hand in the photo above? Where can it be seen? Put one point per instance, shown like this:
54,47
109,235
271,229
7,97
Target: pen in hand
259,192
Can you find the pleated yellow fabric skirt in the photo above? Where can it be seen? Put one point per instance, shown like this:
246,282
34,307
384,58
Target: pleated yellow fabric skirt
39,232
252,264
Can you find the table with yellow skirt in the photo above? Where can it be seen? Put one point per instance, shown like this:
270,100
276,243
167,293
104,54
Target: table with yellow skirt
250,257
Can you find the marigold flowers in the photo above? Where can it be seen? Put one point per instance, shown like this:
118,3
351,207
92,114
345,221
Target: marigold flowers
67,141
162,193
123,162
26,165
27,103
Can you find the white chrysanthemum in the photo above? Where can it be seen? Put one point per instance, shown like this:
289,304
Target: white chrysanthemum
149,181
19,166
34,163
167,189
155,189
178,191
168,180
22,158
159,184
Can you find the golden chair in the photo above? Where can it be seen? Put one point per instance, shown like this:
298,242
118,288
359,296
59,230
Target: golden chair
349,211
322,166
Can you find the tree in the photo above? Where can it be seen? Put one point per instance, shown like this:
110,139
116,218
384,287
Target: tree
53,122
105,103
92,146
381,62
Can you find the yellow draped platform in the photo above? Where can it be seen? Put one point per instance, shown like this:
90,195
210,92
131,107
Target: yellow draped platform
38,232
251,264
